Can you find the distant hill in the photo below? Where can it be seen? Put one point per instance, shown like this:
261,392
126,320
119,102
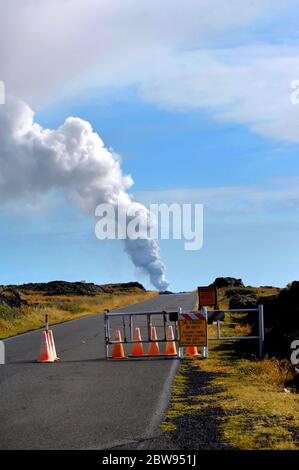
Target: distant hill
23,307
76,288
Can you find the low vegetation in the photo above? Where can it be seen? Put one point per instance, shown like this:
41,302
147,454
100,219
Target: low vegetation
233,400
239,403
34,305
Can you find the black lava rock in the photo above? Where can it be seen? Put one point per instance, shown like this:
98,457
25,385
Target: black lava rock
11,298
227,282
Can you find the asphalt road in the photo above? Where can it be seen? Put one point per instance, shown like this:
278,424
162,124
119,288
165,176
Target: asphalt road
83,401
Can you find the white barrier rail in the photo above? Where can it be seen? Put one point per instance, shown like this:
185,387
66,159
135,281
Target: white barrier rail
128,321
167,318
261,329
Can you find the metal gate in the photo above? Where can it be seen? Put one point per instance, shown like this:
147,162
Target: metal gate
261,330
145,320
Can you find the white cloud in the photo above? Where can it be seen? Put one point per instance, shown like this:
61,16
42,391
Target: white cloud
172,50
248,85
233,202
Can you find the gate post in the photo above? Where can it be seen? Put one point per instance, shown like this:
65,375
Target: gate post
206,348
261,331
181,349
2,352
106,335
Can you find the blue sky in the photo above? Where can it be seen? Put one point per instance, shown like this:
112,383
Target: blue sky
203,116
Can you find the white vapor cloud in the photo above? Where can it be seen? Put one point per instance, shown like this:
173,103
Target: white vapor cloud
71,159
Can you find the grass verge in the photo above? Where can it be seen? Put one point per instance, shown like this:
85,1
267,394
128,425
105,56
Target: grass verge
233,400
234,403
61,308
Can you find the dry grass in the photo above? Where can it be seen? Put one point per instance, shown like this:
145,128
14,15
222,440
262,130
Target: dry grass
257,411
272,372
269,417
242,330
62,308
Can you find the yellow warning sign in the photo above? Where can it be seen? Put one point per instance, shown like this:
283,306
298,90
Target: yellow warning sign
193,332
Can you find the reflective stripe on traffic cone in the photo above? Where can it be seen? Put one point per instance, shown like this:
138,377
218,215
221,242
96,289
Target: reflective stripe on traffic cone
170,345
118,349
153,349
137,347
52,345
45,354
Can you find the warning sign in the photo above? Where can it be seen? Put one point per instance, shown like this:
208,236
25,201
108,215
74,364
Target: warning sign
193,332
207,296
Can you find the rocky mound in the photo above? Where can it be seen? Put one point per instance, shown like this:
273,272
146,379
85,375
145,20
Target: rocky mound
227,282
61,288
11,298
281,315
77,288
243,301
282,319
122,287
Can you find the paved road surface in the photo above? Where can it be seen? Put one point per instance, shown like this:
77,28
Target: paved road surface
82,402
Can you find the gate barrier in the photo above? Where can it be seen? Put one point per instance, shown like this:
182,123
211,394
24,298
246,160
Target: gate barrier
142,320
129,321
261,330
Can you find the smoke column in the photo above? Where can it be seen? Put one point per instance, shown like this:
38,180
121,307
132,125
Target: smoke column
72,159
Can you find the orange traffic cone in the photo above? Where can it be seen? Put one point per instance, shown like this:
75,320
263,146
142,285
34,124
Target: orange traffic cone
118,349
52,345
137,347
45,354
153,349
170,345
191,351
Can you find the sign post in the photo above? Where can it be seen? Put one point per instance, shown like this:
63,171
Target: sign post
193,328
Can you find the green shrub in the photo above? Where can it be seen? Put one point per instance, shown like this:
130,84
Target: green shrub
5,312
75,309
